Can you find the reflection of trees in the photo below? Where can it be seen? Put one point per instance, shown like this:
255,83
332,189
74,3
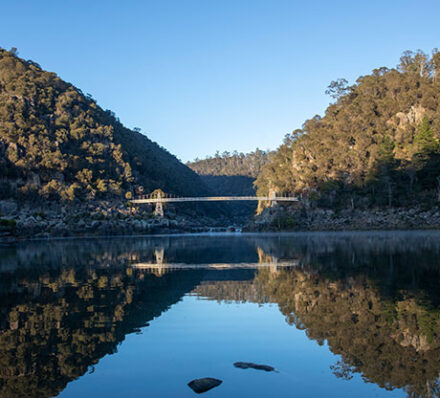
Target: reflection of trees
395,261
374,298
230,291
53,327
393,342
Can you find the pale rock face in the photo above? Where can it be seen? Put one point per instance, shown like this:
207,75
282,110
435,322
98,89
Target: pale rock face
34,179
413,116
418,342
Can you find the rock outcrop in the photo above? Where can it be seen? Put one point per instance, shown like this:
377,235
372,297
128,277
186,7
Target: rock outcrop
349,219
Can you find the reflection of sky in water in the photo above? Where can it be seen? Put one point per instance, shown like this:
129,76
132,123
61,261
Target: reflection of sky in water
375,297
199,338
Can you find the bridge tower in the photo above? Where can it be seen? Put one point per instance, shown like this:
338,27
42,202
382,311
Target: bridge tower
272,196
158,211
159,254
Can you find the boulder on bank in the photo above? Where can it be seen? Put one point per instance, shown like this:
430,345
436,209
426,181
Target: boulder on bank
204,384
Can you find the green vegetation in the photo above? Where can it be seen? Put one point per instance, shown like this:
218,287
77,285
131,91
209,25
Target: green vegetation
231,173
57,144
376,145
232,164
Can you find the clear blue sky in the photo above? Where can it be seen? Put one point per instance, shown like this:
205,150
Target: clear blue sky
204,75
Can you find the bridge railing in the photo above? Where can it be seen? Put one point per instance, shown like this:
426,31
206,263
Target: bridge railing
159,199
147,199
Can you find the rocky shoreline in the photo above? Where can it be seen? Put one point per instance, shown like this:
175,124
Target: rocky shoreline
95,219
111,219
285,219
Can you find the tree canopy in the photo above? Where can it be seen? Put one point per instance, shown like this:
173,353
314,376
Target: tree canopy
376,145
57,144
232,164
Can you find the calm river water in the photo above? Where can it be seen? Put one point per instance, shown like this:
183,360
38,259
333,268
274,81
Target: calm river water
336,314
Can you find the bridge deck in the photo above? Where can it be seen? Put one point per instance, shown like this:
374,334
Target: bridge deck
214,199
215,266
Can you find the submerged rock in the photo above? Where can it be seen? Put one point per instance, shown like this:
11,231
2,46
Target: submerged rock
247,365
203,385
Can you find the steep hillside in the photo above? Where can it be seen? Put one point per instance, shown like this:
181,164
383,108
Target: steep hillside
376,145
231,173
232,164
57,144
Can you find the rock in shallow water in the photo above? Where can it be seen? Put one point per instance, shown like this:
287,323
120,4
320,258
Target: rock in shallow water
247,365
205,384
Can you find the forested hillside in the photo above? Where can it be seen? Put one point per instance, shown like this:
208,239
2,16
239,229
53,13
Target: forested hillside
232,164
231,173
377,144
57,144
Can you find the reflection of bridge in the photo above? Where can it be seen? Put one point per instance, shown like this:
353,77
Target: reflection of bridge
214,266
160,269
159,199
264,261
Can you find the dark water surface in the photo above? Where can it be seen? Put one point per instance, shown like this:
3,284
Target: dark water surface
336,314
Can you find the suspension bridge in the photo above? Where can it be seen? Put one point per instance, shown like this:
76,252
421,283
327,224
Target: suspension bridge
160,198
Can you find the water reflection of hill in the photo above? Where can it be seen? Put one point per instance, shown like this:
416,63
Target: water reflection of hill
66,304
393,342
230,291
375,301
55,326
374,298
